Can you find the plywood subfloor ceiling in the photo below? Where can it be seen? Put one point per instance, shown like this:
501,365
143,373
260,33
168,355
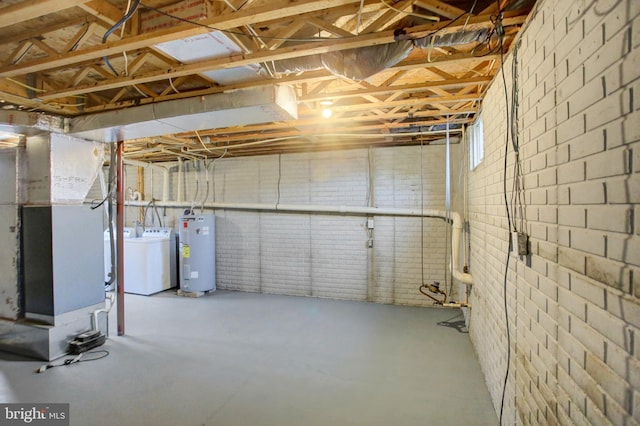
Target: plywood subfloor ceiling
56,59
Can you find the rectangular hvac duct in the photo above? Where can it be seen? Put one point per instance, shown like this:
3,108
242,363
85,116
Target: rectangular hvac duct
236,108
61,168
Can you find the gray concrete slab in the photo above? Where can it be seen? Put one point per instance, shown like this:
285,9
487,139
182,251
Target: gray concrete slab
232,358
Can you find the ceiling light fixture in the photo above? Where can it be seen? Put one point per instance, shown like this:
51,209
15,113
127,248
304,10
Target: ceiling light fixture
327,113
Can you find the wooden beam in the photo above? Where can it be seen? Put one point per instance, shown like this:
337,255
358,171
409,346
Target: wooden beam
281,9
25,10
266,56
103,10
312,120
288,32
441,8
15,94
19,52
330,28
414,88
413,101
39,32
388,17
81,37
311,76
44,47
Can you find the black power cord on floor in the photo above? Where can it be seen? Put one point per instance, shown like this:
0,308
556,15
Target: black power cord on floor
77,359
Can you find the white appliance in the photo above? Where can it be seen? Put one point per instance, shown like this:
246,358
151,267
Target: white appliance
147,261
197,253
164,233
128,233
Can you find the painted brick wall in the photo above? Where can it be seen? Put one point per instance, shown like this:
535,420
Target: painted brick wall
314,254
574,305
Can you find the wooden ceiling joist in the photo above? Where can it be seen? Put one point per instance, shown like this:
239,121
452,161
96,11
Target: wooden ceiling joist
26,10
59,69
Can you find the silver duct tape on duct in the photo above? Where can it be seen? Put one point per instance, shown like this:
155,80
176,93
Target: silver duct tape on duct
235,108
363,62
356,64
452,39
29,123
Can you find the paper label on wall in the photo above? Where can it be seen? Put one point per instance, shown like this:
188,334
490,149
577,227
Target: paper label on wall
205,230
194,274
186,252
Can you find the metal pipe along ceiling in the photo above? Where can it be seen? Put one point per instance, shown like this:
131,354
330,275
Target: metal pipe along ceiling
456,219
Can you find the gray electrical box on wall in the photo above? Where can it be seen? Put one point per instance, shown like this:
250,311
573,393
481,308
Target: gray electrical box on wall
197,253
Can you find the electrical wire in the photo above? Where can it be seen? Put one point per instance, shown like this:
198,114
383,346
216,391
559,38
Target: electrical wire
500,32
195,197
26,86
172,86
206,177
115,26
75,360
473,6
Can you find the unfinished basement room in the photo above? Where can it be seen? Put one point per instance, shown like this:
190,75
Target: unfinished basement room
319,212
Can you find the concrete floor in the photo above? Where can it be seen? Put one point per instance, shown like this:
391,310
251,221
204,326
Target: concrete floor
233,358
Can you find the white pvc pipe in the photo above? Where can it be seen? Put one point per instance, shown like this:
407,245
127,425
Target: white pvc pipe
456,237
179,198
456,219
94,316
165,175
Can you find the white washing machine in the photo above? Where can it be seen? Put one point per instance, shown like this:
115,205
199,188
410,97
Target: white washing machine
147,264
170,234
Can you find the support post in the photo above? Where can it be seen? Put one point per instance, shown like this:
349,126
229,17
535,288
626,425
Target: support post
120,234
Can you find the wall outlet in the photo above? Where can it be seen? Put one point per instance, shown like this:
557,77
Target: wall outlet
523,244
370,244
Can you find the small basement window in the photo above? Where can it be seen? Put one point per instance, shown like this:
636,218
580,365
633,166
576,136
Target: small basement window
476,143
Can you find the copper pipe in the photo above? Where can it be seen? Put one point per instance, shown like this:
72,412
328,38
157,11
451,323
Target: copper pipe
120,234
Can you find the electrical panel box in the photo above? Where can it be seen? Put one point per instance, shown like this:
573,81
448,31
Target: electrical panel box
197,246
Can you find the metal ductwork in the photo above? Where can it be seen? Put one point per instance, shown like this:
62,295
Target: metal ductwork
61,168
363,62
29,123
356,64
235,108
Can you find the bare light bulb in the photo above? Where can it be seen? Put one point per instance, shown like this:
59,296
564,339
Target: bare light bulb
327,113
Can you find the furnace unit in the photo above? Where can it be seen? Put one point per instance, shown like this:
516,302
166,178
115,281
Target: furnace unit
197,253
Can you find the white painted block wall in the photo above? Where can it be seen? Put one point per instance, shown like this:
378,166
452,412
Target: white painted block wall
574,308
316,254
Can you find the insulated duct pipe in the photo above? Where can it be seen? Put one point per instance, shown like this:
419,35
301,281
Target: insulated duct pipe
456,219
163,169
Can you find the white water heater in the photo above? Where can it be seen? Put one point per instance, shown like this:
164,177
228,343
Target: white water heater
197,253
